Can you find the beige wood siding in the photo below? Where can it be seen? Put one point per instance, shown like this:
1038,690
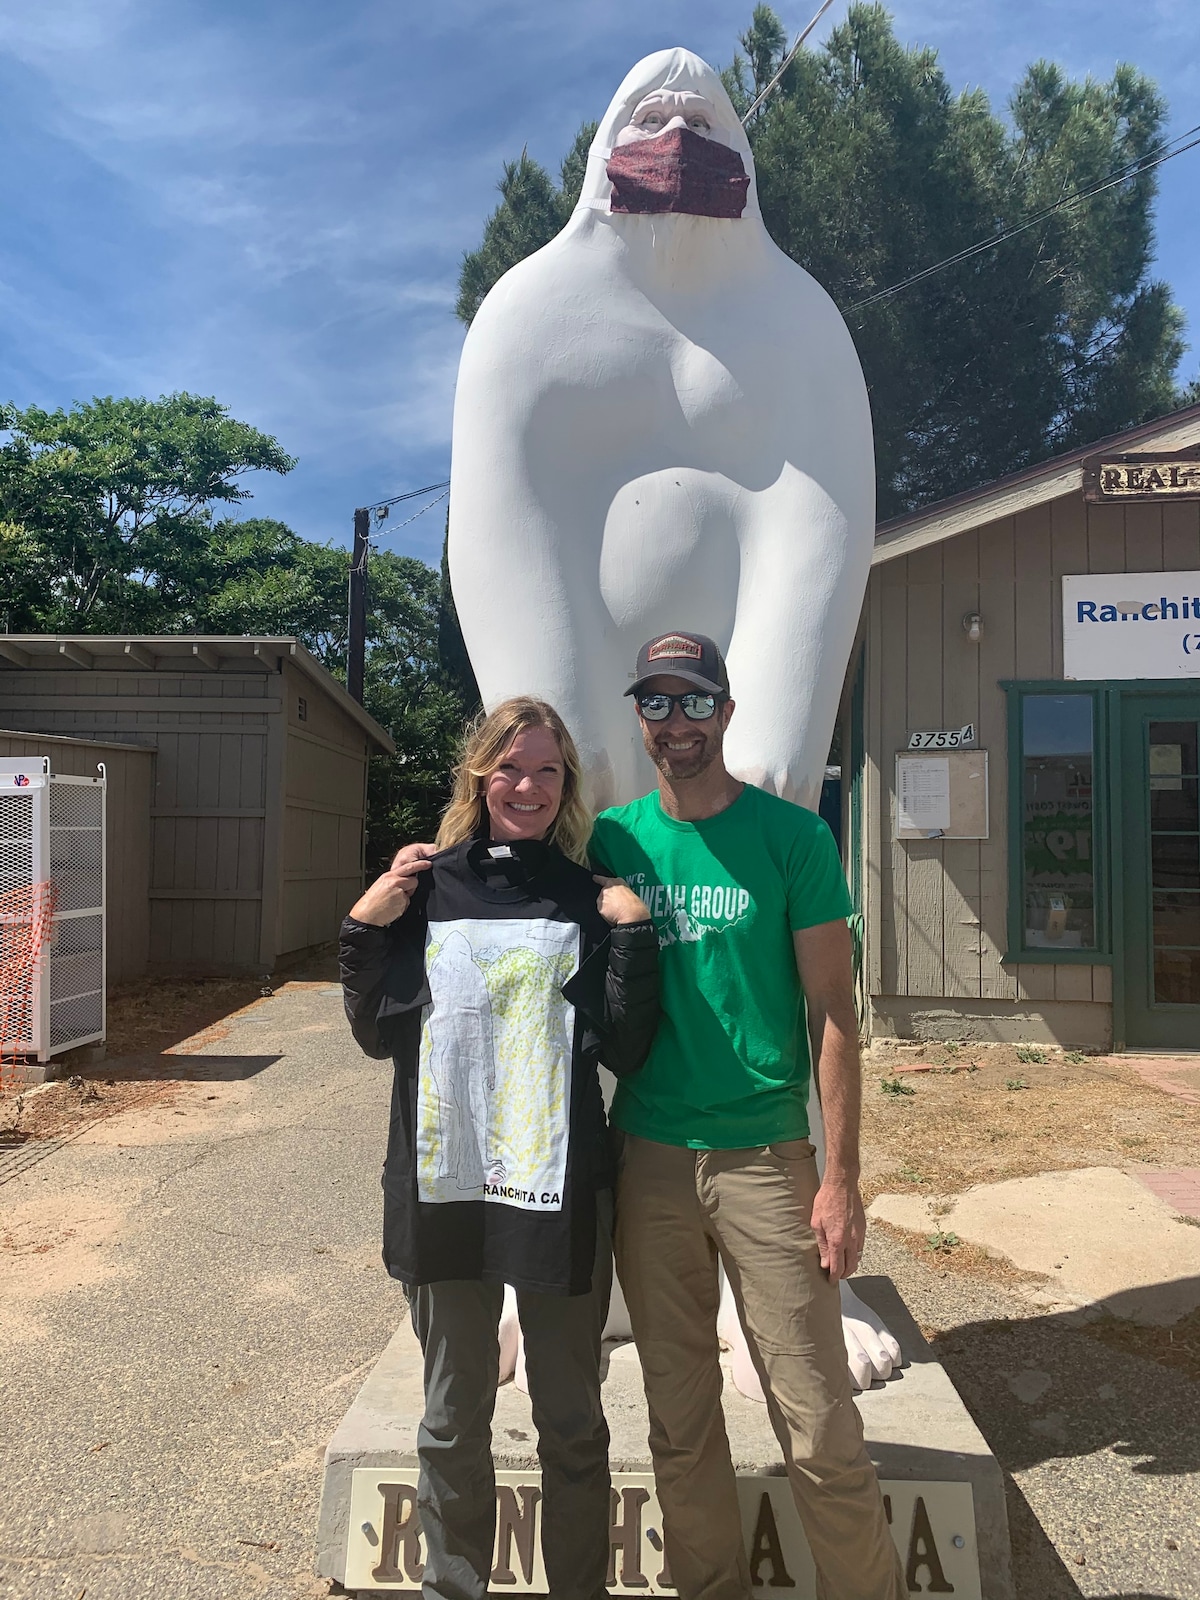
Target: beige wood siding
127,830
205,848
937,909
323,817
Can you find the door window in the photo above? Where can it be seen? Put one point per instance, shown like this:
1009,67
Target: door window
1058,866
1175,860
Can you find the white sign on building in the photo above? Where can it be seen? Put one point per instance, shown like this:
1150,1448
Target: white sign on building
1131,625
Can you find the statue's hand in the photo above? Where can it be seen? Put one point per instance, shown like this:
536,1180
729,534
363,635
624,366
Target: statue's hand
871,1351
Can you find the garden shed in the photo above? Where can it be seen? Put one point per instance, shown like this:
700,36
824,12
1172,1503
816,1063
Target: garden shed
255,831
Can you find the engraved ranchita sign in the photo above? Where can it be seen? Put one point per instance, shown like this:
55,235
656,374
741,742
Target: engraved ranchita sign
1142,477
932,1523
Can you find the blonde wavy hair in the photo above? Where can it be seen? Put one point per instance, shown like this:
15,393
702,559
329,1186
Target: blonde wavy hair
483,750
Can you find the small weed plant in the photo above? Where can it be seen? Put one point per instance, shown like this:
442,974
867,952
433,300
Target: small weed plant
1015,1083
1028,1054
894,1086
1074,1057
942,1243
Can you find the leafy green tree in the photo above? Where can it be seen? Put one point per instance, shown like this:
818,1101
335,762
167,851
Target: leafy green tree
272,581
410,692
870,170
107,526
109,490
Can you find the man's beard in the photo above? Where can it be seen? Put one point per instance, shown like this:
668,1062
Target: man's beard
679,764
679,171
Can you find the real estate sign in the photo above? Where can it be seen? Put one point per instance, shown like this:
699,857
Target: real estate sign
1131,625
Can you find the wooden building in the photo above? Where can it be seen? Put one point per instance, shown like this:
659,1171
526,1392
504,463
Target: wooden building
1020,738
129,769
254,836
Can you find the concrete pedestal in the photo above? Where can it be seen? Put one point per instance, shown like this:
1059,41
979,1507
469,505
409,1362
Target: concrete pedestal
918,1433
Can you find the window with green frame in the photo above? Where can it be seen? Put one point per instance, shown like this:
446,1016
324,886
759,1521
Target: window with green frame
1057,901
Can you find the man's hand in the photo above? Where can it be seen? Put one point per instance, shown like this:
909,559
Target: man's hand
823,956
840,1225
617,903
389,896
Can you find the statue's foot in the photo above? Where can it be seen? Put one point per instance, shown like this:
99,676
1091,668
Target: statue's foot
871,1351
616,1324
509,1335
733,1336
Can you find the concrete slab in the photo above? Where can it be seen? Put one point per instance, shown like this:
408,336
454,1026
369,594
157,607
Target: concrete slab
1098,1235
917,1428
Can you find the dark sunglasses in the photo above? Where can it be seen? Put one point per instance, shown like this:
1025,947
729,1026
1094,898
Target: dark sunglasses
658,707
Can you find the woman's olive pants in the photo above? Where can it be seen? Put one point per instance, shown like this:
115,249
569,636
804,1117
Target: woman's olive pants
456,1322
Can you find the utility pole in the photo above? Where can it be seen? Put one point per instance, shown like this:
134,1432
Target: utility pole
357,645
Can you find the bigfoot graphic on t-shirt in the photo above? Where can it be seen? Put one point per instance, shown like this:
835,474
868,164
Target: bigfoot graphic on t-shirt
494,1074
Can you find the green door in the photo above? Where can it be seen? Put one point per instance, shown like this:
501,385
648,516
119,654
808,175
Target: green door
1160,744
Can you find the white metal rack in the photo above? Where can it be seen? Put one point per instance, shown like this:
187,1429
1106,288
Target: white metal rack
52,827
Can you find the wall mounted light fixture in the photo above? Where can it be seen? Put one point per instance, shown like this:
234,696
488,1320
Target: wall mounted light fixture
973,626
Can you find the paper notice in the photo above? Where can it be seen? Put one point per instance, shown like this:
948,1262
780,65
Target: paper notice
923,800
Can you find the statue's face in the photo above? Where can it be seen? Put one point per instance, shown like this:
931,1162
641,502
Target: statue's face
674,155
670,108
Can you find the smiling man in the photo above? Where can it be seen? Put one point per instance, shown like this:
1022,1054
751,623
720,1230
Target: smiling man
747,894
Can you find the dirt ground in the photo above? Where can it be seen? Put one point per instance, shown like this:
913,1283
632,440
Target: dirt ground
147,1022
983,1114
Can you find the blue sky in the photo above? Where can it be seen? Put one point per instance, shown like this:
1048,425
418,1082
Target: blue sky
268,201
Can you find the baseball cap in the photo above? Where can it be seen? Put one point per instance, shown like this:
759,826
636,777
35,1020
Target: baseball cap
690,656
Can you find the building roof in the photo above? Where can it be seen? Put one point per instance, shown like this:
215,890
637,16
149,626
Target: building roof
180,652
69,738
1032,486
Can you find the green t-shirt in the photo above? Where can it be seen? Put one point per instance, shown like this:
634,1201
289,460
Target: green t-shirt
730,1066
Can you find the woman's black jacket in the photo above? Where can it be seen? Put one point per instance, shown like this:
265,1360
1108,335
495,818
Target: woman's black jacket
498,994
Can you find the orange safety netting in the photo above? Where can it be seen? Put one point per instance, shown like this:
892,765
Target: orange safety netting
25,917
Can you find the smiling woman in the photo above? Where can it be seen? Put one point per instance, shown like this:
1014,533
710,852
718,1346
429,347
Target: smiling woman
498,979
521,768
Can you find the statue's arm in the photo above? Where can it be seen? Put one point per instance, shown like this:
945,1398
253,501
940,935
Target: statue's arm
805,560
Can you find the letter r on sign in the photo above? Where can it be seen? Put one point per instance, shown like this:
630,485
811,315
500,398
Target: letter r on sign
400,1536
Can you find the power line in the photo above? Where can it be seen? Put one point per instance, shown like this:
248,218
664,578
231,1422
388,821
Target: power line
786,62
443,496
1087,192
412,494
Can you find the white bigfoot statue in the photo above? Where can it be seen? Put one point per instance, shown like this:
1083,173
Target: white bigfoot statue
661,423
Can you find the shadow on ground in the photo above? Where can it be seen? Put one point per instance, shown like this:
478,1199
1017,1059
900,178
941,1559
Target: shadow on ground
1050,1390
1047,1388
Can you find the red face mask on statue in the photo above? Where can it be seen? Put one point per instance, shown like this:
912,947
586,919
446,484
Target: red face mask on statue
679,171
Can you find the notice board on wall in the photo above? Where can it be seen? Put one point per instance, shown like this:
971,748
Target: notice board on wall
943,796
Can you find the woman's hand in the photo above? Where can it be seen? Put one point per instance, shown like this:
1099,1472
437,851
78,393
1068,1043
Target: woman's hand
617,902
389,896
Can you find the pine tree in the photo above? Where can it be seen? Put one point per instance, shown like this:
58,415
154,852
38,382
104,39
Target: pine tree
870,169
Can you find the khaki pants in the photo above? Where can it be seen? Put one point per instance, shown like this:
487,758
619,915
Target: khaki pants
679,1210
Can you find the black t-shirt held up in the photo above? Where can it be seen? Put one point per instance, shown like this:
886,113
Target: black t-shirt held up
497,993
